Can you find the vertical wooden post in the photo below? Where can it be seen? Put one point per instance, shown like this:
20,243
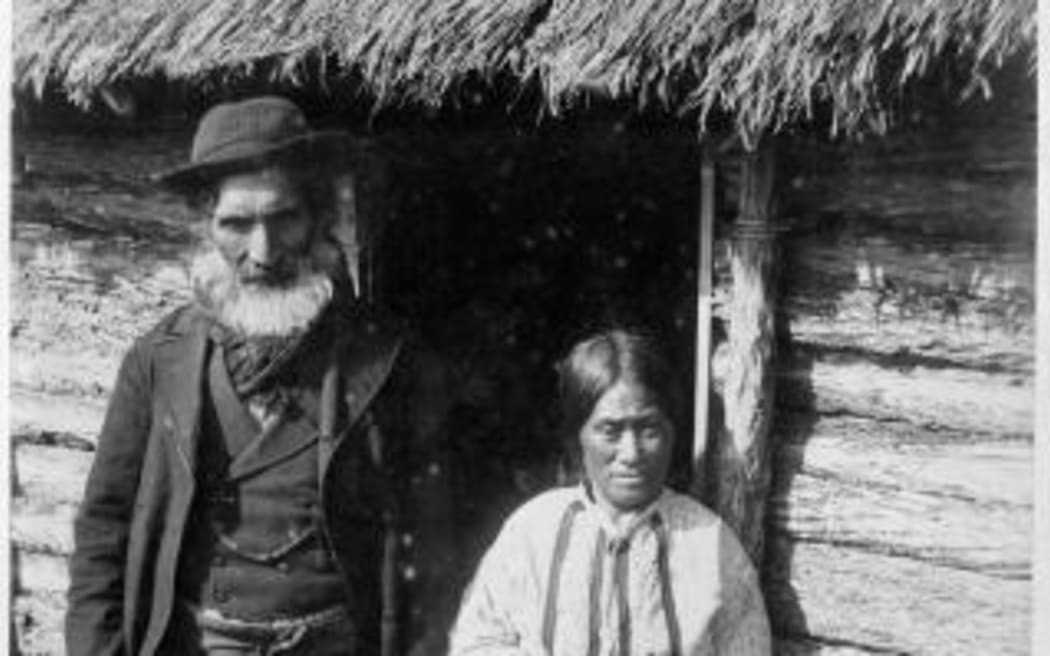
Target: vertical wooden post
353,228
704,302
372,202
346,228
742,460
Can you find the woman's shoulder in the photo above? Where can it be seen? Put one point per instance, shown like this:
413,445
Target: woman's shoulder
693,520
682,511
537,520
545,507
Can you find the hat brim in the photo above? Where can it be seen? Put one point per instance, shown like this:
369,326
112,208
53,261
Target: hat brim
331,148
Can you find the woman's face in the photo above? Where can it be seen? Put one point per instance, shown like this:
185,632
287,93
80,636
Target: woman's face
626,444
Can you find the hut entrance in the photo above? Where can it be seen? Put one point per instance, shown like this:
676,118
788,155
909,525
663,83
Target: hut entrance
503,248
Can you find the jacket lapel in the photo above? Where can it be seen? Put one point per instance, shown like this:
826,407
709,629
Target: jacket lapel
365,364
180,357
279,441
239,427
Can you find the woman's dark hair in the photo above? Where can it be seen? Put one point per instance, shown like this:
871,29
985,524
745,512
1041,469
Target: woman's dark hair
598,362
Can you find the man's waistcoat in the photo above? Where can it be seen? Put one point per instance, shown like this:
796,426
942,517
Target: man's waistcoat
258,550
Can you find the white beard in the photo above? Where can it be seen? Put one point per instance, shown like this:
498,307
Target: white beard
258,310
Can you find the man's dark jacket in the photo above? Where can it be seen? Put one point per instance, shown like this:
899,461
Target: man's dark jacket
139,493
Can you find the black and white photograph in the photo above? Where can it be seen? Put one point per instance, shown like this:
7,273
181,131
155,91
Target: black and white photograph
525,328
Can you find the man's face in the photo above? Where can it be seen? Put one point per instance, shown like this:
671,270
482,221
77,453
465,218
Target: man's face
271,269
262,227
626,446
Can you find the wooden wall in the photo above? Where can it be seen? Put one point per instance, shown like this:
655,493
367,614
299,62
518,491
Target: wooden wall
902,504
901,509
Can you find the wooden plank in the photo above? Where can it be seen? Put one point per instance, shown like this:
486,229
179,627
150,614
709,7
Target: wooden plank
50,475
50,483
995,348
704,305
739,464
879,603
43,573
37,618
37,530
946,397
35,412
931,296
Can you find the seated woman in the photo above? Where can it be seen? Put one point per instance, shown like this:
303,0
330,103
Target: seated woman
620,564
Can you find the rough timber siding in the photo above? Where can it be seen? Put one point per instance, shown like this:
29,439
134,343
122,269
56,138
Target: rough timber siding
902,500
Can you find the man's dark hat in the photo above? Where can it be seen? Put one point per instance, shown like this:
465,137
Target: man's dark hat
241,136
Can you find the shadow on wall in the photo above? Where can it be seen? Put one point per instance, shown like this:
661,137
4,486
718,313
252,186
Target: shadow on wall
795,416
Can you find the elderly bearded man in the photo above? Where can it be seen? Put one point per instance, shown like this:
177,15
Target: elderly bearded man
263,475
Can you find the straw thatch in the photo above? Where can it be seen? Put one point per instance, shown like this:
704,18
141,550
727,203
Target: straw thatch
766,63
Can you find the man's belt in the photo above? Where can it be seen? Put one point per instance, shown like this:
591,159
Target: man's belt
212,620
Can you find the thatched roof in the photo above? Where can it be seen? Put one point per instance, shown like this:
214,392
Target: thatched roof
766,63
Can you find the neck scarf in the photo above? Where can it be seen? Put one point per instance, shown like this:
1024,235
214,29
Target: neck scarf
263,367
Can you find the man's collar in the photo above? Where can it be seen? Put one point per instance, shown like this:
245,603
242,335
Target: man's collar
190,319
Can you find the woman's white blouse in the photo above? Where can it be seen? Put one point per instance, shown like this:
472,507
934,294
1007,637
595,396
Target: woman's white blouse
562,579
